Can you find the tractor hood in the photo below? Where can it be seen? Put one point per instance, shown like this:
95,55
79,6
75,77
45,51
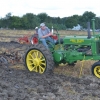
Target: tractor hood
80,40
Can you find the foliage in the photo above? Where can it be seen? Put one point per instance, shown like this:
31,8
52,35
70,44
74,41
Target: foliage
15,22
97,22
43,17
86,17
72,21
30,21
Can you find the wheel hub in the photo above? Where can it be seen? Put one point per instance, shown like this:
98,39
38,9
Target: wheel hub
36,62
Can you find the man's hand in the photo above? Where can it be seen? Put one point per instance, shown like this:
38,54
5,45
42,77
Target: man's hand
50,34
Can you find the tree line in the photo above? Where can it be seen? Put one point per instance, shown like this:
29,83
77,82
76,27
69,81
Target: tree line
30,21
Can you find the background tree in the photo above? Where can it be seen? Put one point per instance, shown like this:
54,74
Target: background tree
15,22
72,21
6,21
30,21
97,22
43,17
87,17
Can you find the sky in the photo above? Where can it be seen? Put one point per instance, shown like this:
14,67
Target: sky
53,8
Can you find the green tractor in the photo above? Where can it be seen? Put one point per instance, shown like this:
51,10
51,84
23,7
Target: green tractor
69,50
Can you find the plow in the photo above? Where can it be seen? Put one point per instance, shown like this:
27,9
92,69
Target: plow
68,49
14,51
12,55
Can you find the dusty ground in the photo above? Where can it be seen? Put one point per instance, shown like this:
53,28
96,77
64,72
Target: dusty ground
16,83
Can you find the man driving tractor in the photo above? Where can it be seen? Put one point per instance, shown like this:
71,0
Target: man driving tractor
44,35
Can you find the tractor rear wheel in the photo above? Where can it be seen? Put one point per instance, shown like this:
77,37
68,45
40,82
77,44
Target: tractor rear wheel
96,69
39,59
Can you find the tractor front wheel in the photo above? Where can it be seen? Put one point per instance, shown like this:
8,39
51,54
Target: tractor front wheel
39,59
96,69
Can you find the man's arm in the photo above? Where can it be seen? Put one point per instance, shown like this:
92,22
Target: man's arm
47,35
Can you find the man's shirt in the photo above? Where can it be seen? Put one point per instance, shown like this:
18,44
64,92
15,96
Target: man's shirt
43,32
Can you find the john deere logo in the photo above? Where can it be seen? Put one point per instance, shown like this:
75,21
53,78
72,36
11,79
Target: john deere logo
77,40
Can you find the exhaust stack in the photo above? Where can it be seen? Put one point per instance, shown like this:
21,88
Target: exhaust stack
88,30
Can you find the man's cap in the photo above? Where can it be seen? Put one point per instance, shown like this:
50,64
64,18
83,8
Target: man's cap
42,24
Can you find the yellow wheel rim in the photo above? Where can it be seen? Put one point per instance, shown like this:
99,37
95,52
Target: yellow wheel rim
97,71
36,61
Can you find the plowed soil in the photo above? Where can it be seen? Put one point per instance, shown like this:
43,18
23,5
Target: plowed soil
16,83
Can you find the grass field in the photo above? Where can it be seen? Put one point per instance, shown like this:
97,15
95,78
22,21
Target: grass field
81,66
20,32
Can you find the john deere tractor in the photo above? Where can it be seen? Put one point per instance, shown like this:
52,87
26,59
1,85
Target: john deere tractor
68,49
